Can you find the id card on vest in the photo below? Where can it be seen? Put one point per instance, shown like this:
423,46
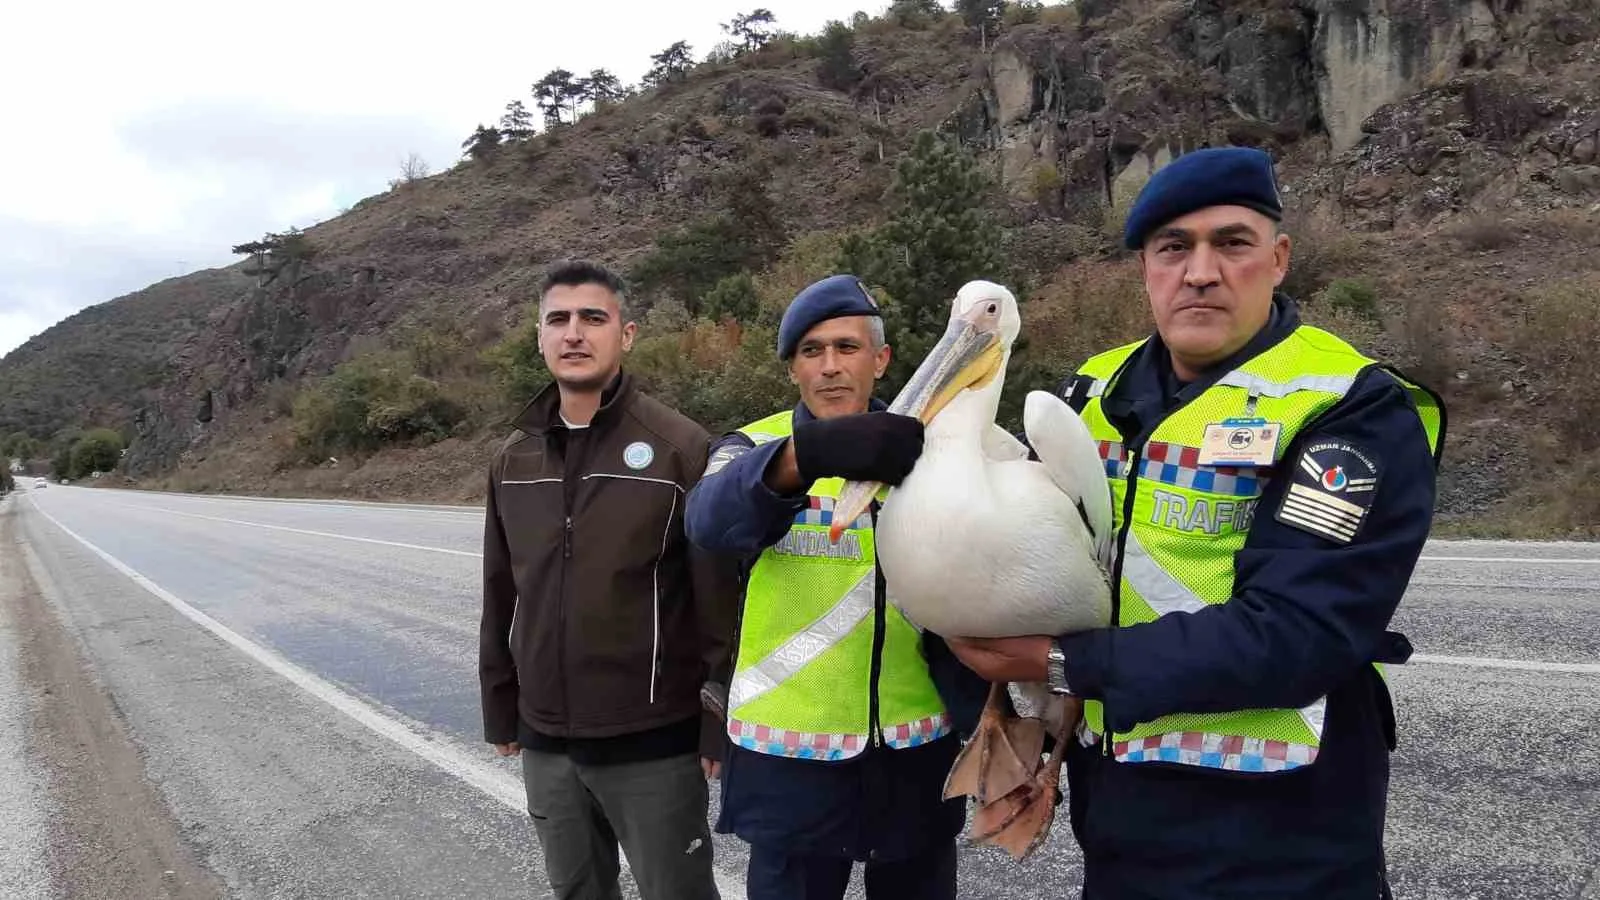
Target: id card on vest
1240,442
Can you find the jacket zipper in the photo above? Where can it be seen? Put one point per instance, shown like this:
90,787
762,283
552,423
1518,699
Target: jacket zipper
561,617
571,464
879,626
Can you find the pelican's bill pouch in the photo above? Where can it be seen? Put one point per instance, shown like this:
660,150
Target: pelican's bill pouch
1240,442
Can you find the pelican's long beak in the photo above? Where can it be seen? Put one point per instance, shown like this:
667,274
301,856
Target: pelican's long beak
969,355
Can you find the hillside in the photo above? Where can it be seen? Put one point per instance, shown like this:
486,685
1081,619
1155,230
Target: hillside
105,362
1439,157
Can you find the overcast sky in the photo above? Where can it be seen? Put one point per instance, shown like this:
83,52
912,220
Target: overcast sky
144,139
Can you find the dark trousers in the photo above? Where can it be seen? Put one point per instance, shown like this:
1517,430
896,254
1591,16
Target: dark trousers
656,811
776,875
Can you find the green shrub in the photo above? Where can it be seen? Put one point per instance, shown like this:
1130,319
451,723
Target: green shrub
1022,12
745,233
370,401
99,450
518,366
1355,295
837,66
1047,182
61,464
722,375
915,14
734,297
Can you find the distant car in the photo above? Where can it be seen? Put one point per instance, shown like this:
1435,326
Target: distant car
40,482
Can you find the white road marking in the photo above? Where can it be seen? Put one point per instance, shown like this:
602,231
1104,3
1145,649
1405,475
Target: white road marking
1524,665
377,505
326,534
440,750
1528,560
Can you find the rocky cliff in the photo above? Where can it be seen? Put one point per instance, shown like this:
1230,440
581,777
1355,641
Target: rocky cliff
1385,114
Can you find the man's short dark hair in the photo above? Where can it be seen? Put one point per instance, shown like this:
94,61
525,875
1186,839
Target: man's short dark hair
577,272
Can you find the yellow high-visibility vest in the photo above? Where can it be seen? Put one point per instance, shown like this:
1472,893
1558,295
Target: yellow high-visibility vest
802,678
1185,521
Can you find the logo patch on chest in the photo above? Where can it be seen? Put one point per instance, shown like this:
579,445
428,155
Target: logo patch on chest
1331,491
638,454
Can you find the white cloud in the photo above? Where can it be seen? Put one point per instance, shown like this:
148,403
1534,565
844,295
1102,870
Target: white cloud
144,139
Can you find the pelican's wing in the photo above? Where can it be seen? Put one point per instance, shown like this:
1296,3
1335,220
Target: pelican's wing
1001,445
1072,457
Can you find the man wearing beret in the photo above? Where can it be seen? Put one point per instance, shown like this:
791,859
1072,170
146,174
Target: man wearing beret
1272,488
840,712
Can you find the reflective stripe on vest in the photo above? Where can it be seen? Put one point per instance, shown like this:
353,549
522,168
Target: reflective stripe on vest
1187,522
802,677
804,647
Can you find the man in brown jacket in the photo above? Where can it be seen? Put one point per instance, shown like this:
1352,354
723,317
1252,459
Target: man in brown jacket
601,623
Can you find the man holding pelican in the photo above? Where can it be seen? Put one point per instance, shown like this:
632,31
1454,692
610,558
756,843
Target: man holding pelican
1271,490
840,711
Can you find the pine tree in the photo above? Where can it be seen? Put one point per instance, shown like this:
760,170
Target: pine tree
744,234
555,93
276,252
516,124
982,16
939,236
837,67
483,142
602,87
671,64
915,13
752,30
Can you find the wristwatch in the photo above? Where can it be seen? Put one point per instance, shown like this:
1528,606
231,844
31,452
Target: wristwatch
1056,669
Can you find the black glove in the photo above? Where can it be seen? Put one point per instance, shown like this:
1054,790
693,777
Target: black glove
874,446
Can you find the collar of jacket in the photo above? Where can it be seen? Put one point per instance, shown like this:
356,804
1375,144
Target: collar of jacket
1143,368
802,413
543,412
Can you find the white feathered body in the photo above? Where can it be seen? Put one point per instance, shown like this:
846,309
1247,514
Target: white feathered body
978,541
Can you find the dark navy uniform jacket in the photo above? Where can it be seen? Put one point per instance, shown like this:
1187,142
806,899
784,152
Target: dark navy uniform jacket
1307,617
882,805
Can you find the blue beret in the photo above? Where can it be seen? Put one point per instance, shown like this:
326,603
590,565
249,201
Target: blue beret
1215,176
830,298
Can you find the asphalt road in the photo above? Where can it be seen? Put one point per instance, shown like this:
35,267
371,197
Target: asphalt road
299,681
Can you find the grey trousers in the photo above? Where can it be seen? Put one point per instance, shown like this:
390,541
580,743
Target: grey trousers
656,810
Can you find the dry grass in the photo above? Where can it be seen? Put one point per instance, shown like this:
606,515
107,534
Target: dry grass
1360,331
1087,308
809,258
1562,333
1427,343
1064,15
1320,253
1484,233
1563,503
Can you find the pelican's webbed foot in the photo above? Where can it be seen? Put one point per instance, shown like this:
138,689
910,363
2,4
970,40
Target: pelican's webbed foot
1019,822
1002,755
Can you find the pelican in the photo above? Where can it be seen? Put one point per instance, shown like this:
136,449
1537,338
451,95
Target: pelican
979,541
